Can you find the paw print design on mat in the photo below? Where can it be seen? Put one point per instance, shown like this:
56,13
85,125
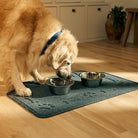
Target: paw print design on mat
29,99
103,91
66,102
89,94
46,106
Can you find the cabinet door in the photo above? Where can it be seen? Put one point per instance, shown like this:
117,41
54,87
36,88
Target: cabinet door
68,0
73,18
93,0
46,1
97,16
53,10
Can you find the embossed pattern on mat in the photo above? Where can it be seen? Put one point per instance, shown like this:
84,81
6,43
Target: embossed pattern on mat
44,104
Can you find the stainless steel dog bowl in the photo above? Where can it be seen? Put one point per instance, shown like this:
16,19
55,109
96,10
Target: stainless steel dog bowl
59,86
91,79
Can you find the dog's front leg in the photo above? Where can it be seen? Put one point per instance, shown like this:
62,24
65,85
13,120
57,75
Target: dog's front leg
37,77
16,80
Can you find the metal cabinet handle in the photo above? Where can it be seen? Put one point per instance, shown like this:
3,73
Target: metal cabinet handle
73,10
99,9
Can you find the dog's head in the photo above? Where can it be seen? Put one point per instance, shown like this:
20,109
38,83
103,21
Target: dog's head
63,54
60,55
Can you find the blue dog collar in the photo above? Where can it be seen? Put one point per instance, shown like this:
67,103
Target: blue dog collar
53,38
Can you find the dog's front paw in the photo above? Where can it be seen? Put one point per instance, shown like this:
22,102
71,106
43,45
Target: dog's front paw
41,81
24,92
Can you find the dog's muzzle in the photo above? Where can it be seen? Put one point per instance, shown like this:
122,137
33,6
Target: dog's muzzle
63,75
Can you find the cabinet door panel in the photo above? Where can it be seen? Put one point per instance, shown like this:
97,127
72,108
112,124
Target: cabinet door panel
93,0
53,10
68,0
46,1
73,18
97,16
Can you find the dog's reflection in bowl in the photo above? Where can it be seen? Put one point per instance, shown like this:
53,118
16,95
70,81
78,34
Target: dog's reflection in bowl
59,86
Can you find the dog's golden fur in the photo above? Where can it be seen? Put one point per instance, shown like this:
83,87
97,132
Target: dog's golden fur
25,28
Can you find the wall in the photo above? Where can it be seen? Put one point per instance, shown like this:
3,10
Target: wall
125,4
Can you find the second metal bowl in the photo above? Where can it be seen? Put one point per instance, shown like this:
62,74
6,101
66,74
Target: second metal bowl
91,79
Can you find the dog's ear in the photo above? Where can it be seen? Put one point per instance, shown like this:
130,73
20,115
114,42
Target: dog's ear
55,56
55,65
58,54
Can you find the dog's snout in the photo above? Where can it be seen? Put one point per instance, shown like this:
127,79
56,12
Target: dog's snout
69,77
63,75
59,74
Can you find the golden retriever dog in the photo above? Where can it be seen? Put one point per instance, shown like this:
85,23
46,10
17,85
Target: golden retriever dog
31,38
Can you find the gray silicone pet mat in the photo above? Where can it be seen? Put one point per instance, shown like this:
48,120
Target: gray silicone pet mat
44,104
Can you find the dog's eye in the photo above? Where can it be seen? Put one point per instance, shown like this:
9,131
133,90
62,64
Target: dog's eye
68,63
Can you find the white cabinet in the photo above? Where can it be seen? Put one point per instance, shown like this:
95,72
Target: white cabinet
97,16
46,1
53,10
84,18
68,0
93,0
73,18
